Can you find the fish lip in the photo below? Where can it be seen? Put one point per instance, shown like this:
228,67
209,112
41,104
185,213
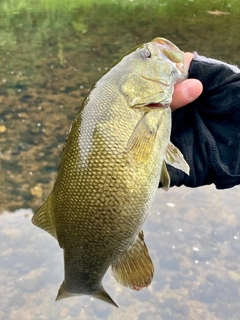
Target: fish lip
163,45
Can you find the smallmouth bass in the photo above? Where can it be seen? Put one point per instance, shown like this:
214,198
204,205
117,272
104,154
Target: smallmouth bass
113,159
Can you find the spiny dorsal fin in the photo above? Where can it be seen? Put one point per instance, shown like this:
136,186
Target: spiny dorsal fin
44,217
175,158
134,268
165,178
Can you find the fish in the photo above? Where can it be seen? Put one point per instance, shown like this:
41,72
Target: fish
114,156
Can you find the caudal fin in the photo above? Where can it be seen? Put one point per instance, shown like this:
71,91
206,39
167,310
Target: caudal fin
63,293
101,294
104,296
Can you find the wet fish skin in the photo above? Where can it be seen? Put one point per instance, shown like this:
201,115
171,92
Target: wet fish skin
110,168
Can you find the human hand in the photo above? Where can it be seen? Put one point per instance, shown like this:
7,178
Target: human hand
187,90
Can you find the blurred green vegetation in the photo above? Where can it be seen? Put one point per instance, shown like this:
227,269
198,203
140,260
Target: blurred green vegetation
37,19
16,6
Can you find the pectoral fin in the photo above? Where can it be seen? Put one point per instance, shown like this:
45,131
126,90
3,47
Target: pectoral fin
165,178
175,158
44,218
141,143
134,268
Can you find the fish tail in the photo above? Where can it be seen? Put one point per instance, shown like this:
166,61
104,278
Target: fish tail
104,296
101,294
63,293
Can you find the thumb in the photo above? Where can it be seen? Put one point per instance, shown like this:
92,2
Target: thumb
186,92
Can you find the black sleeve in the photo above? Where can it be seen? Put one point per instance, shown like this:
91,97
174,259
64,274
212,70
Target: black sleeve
207,131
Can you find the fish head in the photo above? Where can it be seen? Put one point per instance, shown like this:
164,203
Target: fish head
152,71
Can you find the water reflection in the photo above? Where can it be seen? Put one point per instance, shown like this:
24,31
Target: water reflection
194,240
49,57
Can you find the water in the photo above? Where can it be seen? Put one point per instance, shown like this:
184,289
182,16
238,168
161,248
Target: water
50,55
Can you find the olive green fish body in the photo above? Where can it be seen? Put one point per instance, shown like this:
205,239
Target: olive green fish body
110,168
101,190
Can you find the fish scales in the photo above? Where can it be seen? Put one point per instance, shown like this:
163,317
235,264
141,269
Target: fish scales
115,178
109,171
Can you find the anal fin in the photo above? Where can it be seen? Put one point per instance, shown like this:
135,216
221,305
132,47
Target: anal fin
134,268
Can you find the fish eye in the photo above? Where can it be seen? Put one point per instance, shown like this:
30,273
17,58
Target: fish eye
146,54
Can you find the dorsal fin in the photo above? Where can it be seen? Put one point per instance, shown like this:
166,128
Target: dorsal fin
44,217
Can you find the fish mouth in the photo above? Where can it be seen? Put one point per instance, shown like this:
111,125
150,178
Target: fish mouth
156,105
